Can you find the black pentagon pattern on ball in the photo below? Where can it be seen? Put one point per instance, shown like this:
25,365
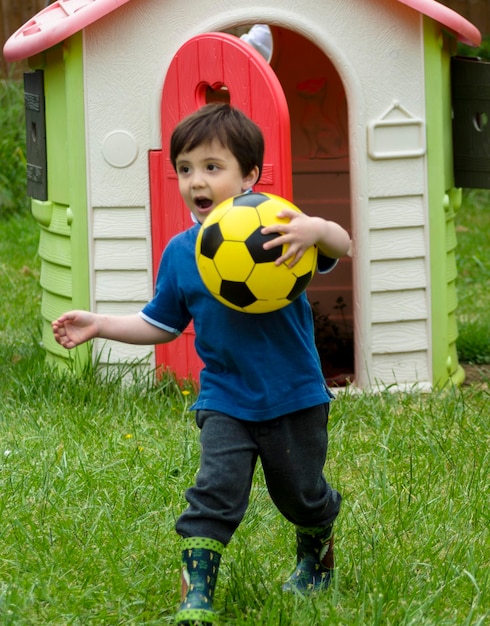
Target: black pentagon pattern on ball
255,243
253,199
237,293
211,240
300,285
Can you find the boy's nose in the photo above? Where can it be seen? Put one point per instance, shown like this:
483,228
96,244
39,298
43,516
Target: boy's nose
197,180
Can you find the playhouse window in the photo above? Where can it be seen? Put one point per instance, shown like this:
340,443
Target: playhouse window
217,94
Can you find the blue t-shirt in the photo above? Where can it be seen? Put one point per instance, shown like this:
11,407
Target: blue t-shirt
256,366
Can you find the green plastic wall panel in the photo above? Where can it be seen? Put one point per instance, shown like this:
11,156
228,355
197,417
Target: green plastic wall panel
63,217
443,201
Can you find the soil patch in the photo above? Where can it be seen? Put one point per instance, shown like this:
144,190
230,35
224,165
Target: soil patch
476,374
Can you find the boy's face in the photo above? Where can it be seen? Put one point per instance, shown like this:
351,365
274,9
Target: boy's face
208,175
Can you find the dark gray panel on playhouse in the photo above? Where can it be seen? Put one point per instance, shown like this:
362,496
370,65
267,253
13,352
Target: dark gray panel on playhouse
37,182
470,79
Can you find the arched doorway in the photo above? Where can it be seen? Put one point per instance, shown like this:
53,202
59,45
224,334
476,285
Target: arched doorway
306,83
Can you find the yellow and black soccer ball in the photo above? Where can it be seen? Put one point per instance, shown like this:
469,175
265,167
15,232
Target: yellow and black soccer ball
233,263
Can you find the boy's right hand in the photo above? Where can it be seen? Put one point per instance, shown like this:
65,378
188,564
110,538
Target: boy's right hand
74,328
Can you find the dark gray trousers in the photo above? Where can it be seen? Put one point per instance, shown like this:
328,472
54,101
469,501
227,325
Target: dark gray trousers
292,449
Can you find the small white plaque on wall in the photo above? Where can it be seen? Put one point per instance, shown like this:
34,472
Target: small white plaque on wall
396,135
119,148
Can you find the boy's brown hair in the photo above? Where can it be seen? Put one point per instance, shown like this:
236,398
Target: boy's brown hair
229,126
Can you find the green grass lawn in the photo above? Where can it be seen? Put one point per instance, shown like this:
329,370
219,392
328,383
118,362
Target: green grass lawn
93,474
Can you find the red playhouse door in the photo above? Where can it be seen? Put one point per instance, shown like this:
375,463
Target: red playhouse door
208,68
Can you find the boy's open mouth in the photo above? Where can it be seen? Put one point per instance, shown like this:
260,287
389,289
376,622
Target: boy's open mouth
203,203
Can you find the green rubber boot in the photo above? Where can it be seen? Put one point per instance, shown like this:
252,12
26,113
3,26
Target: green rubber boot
315,561
200,564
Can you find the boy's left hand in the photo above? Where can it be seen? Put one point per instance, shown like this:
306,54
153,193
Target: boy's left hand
297,236
301,232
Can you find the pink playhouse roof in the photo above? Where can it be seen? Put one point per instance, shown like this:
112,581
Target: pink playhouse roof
63,18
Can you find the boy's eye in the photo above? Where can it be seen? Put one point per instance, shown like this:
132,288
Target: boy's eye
183,169
211,167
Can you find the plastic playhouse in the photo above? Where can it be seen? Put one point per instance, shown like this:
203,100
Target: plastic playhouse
356,100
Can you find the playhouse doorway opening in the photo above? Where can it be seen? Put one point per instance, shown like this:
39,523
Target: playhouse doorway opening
318,112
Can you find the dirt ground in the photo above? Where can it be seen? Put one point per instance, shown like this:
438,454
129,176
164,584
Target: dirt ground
477,374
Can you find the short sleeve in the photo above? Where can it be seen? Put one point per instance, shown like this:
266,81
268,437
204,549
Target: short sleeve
325,264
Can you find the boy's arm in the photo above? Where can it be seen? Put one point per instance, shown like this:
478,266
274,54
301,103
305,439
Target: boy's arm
77,327
303,231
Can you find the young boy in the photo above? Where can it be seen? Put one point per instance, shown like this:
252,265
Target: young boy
262,393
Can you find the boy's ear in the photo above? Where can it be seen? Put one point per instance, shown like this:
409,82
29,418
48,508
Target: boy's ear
250,179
